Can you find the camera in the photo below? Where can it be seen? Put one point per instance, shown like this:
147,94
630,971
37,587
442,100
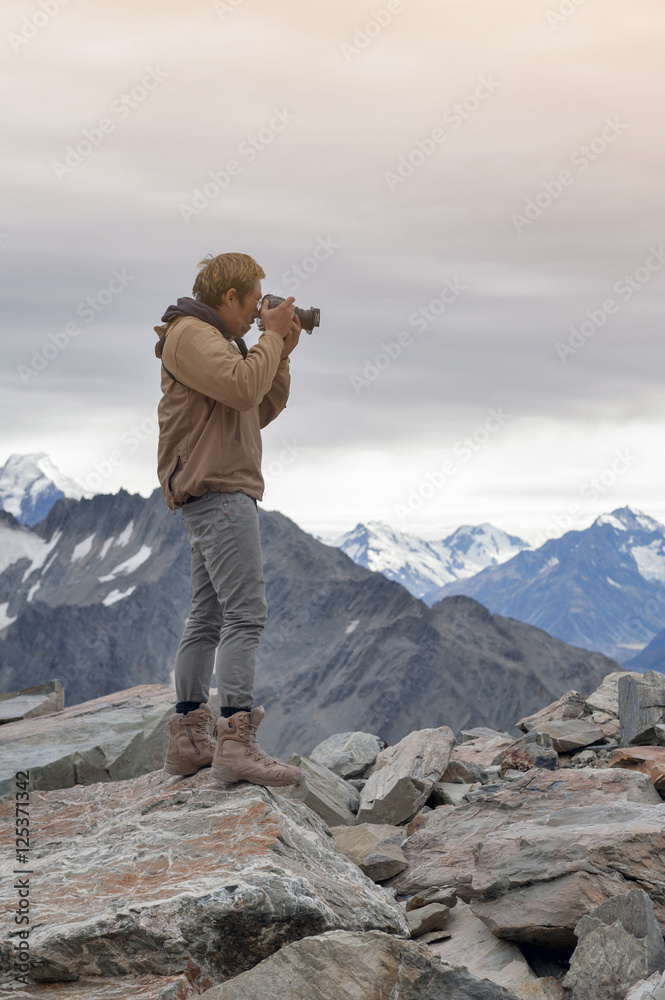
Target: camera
309,318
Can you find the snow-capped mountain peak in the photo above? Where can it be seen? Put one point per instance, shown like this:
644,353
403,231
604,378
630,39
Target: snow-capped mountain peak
424,566
628,519
31,484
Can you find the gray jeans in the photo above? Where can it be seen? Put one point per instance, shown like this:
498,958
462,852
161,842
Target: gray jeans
229,609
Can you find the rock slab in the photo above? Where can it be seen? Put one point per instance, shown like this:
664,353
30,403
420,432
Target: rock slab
647,760
163,876
331,797
618,943
404,775
641,707
345,966
40,699
348,754
374,847
118,736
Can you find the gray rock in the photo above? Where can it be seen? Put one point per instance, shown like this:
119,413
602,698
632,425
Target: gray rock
570,706
652,988
533,750
618,943
482,733
181,875
404,775
115,988
434,895
374,847
641,707
570,734
118,736
606,697
332,798
348,754
40,699
431,917
472,946
469,761
368,966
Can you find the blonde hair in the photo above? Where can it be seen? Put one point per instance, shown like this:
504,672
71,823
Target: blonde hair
228,270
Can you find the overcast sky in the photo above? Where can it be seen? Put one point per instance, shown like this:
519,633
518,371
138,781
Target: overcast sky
478,179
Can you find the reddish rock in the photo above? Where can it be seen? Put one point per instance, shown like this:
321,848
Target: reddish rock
647,760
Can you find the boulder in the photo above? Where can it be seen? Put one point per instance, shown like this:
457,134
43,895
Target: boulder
349,966
469,760
474,948
40,699
348,754
434,895
404,775
118,736
581,852
163,876
652,988
442,855
482,733
571,705
606,697
332,798
641,707
647,760
431,917
374,847
116,988
570,734
533,750
618,943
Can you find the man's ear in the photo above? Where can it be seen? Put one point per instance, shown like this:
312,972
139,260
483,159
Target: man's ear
229,297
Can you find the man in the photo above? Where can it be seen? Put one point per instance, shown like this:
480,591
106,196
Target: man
217,395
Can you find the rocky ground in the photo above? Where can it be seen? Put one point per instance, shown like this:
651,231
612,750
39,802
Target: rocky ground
493,868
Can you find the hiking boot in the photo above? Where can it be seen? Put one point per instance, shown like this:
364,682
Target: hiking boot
239,757
190,745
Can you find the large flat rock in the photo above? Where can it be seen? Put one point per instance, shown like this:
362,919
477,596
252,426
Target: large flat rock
118,736
641,707
345,966
648,760
443,853
165,876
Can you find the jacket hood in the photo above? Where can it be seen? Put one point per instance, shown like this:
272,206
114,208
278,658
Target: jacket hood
187,306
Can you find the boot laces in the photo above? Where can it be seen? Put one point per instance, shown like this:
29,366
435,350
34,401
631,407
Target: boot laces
202,730
248,730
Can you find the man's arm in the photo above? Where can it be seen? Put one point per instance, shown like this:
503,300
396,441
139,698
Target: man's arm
202,359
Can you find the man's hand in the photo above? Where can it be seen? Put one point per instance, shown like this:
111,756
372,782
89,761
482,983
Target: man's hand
292,338
279,319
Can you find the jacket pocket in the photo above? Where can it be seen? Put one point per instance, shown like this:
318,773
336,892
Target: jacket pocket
177,469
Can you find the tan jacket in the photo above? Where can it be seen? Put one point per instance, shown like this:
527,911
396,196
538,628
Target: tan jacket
210,426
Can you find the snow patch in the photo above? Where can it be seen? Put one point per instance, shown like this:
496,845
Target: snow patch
129,565
41,552
106,546
549,564
83,548
124,536
117,595
650,560
5,620
352,626
613,582
613,521
33,590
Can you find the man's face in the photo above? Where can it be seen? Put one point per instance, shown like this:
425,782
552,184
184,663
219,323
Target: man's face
240,316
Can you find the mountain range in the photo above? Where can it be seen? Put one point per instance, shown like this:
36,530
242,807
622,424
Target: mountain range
31,484
97,594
